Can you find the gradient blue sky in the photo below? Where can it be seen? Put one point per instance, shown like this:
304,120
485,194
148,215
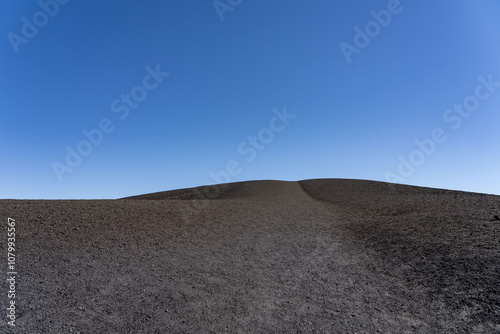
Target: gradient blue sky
353,120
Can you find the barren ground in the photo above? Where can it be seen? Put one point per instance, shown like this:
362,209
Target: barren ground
317,256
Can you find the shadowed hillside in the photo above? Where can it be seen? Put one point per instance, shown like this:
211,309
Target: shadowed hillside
255,189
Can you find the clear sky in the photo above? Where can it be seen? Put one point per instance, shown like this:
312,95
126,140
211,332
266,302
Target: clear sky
105,99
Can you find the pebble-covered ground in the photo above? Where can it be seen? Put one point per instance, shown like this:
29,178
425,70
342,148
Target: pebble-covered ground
317,256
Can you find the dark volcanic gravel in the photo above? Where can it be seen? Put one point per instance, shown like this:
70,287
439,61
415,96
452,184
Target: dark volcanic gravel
317,256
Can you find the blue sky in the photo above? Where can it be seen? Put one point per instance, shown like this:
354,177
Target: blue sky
274,71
